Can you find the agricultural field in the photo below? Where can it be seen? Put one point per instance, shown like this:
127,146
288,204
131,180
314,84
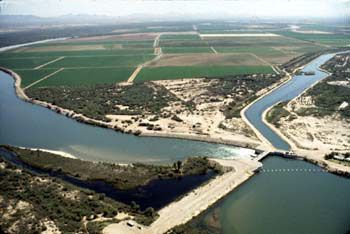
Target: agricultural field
170,51
179,37
163,73
212,59
100,61
328,39
30,76
87,77
183,50
22,63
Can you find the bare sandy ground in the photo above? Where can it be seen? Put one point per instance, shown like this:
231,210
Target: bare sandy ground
60,153
314,136
198,200
205,123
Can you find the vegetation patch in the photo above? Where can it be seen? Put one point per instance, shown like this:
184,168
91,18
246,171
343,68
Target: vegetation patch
276,113
29,202
331,95
120,176
99,100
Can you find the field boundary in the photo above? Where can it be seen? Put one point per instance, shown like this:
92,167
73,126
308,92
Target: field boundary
214,50
43,65
134,74
44,78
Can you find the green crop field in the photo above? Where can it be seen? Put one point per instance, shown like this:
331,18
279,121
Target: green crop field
183,43
90,76
255,50
110,61
30,76
327,39
148,43
255,41
180,37
163,73
53,54
183,50
23,63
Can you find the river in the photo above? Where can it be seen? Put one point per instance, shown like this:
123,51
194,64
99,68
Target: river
27,125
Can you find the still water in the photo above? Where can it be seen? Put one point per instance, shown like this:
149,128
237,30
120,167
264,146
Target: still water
283,203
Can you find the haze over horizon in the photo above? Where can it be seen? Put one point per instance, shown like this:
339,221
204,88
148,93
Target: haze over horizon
199,8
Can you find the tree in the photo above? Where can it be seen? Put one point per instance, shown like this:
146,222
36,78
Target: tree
134,206
150,212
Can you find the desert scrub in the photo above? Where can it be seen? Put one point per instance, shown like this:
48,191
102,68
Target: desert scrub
29,200
276,113
100,100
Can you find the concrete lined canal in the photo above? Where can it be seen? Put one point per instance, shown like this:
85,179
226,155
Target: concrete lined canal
288,91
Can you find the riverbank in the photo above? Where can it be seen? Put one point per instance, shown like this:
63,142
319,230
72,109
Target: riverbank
57,152
34,202
252,144
191,205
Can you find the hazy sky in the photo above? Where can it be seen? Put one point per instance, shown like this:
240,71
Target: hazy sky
250,8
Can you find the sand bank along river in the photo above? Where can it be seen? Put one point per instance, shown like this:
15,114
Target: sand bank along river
28,125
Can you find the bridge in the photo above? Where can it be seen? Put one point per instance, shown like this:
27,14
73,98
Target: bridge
264,154
291,170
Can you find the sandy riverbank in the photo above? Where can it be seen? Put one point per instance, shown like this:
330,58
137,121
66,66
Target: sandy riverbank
229,138
198,200
57,152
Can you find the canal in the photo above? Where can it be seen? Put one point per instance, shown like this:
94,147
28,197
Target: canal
287,91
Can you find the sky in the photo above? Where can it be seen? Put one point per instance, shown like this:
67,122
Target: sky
235,8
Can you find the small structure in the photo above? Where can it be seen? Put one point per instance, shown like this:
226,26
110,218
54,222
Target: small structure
339,157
